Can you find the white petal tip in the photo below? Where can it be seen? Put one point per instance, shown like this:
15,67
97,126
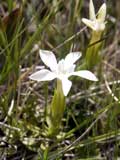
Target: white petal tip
42,75
33,78
84,19
42,51
94,78
66,85
86,74
104,5
48,58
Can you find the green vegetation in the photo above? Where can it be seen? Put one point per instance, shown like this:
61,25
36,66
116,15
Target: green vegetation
88,126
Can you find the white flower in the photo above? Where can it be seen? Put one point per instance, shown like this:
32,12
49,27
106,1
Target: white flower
61,70
96,23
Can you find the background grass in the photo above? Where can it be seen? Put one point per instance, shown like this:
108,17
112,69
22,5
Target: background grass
91,124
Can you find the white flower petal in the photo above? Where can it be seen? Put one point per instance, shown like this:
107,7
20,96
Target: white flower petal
71,58
92,11
102,13
100,26
71,69
66,85
43,75
85,74
49,59
89,23
60,66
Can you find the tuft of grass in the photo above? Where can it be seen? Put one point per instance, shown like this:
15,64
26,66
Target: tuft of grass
91,123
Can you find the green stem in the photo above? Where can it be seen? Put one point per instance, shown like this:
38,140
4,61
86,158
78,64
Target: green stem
56,110
92,54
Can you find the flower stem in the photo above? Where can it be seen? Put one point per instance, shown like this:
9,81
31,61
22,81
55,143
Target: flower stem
56,110
92,54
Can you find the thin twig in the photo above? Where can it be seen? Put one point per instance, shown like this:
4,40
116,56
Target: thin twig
110,91
111,66
70,38
10,110
82,94
8,126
